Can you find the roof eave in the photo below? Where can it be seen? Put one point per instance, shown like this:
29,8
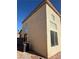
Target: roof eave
41,4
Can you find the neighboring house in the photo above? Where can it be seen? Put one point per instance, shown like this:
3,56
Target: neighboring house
43,28
18,35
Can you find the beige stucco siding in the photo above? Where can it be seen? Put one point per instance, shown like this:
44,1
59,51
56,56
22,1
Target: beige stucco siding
52,50
37,31
39,27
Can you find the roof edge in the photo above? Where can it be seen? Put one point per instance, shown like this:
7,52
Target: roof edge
54,9
38,7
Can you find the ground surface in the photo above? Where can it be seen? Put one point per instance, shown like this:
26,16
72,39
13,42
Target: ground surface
57,56
25,55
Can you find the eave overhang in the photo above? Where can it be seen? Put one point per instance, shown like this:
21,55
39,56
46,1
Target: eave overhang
40,5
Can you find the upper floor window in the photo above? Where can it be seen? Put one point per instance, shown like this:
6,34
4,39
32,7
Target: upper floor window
53,25
53,17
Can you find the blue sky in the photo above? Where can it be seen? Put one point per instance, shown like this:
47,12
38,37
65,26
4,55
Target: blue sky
25,7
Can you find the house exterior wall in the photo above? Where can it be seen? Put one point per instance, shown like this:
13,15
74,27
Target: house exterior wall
39,31
52,50
37,34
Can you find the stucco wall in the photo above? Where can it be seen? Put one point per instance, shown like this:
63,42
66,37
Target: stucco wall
37,31
52,50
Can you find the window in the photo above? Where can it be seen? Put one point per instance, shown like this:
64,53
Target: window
54,38
53,25
53,17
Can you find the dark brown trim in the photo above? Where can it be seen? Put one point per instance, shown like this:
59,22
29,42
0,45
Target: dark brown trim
40,5
53,8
